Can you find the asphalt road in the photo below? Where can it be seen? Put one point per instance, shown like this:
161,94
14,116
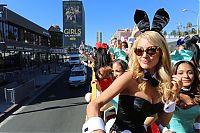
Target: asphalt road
59,109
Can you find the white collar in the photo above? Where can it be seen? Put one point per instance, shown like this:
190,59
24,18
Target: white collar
186,89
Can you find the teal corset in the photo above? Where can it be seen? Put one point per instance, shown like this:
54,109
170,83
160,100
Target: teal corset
183,119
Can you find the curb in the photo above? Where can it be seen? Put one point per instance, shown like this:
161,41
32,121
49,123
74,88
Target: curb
28,99
8,112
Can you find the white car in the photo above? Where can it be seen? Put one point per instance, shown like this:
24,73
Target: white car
79,67
77,78
74,59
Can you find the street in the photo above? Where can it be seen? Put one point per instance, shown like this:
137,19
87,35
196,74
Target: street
59,109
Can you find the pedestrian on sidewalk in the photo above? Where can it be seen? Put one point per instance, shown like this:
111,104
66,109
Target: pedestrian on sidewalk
42,69
49,68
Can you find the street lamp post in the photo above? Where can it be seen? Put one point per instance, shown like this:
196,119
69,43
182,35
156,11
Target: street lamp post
198,24
186,10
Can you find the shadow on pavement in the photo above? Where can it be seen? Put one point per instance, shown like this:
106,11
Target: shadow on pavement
60,90
51,108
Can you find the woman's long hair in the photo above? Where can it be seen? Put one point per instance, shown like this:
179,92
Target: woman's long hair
163,67
102,59
195,84
122,63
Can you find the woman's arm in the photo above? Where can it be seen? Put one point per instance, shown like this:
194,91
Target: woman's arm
150,120
165,116
95,123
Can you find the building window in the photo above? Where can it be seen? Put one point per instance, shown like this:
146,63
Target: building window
21,35
37,39
10,32
25,36
1,31
15,33
5,27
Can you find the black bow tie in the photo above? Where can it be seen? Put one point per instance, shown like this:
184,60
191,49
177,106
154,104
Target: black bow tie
153,81
189,93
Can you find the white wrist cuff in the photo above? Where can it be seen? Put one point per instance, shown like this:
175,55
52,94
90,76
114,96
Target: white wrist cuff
145,127
197,125
162,129
88,97
126,131
92,124
170,106
85,63
165,129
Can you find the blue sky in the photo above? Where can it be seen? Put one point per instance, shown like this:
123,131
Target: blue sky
105,15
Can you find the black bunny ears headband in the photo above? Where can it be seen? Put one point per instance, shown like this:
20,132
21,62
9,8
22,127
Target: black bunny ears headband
160,20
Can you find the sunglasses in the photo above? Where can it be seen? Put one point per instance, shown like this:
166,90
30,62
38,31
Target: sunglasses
151,51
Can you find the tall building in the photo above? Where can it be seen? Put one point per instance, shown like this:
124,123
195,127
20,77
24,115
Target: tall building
122,34
99,37
73,23
56,40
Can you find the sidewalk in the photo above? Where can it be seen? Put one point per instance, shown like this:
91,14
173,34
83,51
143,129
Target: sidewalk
41,83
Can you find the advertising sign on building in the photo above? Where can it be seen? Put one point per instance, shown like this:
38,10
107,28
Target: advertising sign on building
73,23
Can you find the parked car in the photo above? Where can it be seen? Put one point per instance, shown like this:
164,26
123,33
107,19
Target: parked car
79,67
78,77
74,59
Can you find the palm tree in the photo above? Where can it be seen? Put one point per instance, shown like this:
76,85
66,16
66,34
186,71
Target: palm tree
189,26
165,33
173,33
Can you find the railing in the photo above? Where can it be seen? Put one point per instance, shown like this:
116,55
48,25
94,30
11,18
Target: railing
94,86
16,94
110,112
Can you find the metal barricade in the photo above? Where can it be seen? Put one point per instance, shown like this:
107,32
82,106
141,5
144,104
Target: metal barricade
16,94
9,95
94,85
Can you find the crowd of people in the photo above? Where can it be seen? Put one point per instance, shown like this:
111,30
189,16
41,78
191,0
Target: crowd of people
157,91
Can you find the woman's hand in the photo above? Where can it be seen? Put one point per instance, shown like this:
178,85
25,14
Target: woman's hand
176,84
94,81
197,99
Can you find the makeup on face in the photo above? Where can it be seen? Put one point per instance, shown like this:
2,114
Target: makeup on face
186,72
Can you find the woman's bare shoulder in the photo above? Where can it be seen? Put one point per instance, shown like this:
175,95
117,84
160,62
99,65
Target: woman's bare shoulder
129,74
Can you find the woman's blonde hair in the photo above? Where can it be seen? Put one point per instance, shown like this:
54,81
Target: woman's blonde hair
163,68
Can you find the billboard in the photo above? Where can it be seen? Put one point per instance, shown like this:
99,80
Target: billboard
73,23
